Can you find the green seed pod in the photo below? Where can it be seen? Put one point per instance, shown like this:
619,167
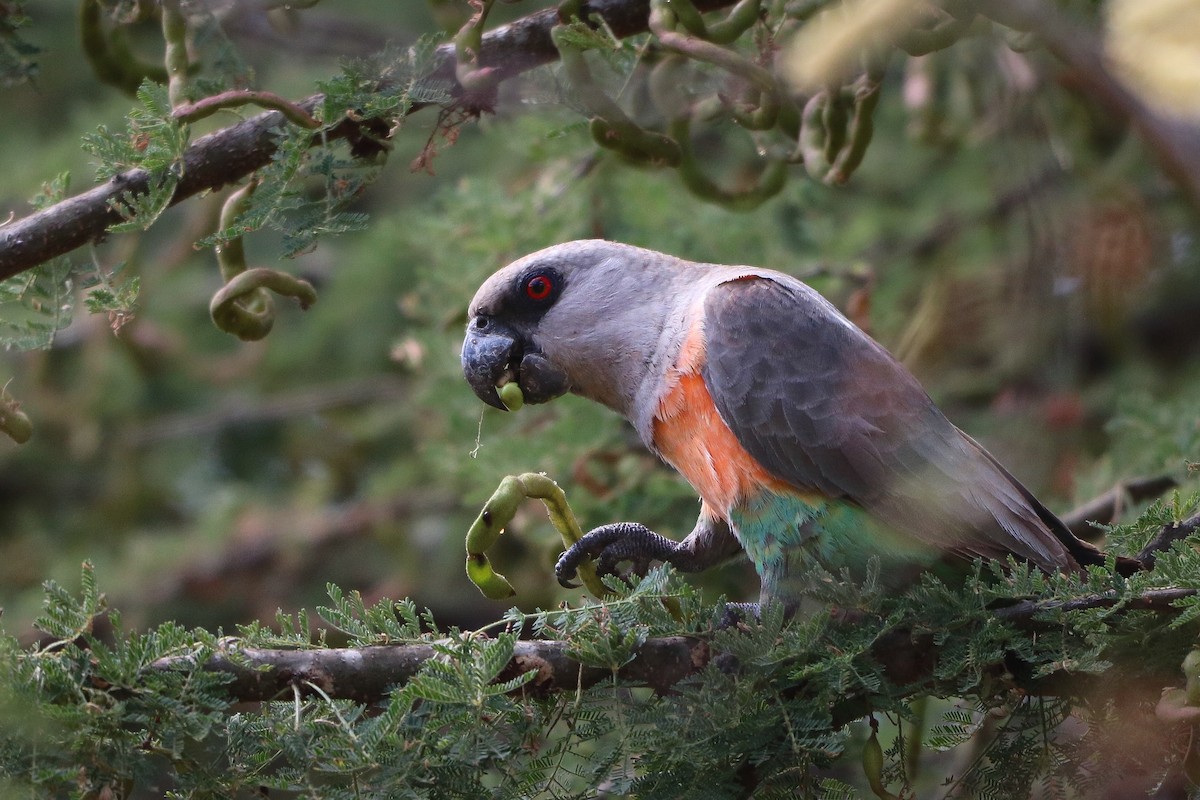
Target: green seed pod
866,97
872,762
493,585
15,422
243,308
923,41
512,396
638,147
811,144
1191,671
834,119
497,512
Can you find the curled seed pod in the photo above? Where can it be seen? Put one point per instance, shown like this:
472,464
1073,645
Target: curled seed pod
231,255
834,119
665,83
242,306
610,126
662,24
725,31
174,28
493,585
235,98
497,512
923,41
738,21
689,17
542,487
862,128
811,143
770,181
109,55
250,317
636,145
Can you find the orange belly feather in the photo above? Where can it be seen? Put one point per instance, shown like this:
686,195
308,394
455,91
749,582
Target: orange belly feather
691,436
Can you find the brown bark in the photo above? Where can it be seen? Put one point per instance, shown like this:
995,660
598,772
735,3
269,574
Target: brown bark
232,153
367,674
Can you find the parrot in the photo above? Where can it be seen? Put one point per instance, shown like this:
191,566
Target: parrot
807,442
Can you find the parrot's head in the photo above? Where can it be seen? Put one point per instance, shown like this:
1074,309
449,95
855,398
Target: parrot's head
583,317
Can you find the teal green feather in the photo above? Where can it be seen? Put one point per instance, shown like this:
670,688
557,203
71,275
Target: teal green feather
785,536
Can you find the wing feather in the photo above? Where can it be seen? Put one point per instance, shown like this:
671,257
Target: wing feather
823,407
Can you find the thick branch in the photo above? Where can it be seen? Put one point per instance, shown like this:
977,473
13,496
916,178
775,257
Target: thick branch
231,154
367,674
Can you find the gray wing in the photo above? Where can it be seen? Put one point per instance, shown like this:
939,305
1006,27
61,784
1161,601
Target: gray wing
823,407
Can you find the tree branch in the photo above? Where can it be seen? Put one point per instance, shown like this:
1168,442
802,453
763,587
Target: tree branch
368,674
907,658
1106,508
1168,536
230,154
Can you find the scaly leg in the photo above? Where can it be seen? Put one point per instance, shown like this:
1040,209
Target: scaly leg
709,543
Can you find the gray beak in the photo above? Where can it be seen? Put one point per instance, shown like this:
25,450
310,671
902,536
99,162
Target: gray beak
492,349
489,350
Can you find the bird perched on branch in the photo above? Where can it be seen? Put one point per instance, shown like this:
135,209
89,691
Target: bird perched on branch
806,440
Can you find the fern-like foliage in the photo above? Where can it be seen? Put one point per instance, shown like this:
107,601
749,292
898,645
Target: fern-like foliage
770,714
154,141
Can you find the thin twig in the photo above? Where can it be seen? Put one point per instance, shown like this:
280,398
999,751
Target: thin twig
1106,508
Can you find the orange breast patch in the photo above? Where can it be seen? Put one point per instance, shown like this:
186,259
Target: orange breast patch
692,437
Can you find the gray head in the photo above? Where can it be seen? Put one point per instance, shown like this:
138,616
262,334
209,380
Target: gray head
586,317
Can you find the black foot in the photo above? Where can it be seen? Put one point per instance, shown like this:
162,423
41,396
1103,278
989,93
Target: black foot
737,613
610,545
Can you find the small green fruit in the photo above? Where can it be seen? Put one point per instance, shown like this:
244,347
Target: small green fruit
512,396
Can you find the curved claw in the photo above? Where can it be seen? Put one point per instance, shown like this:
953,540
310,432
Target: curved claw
736,614
609,545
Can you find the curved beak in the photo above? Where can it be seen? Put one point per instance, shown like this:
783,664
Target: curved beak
486,355
496,351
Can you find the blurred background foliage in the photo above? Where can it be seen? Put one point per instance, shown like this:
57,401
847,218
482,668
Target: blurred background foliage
1009,240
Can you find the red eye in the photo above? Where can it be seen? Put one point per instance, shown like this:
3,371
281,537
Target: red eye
539,287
